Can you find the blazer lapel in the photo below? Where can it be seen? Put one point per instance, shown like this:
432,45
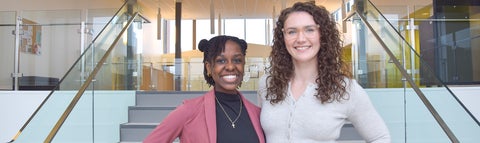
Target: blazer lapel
254,115
210,117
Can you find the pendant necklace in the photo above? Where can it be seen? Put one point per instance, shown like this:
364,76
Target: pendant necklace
230,119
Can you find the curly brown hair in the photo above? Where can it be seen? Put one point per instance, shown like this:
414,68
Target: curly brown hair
332,71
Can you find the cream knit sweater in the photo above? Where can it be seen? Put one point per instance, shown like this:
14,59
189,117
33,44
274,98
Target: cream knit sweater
306,120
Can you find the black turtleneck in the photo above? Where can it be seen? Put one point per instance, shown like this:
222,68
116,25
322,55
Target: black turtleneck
243,131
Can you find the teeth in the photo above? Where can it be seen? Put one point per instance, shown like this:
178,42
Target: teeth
302,48
230,76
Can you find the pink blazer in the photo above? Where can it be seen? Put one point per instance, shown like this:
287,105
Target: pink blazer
194,122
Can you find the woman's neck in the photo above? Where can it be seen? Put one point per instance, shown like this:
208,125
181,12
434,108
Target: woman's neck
305,71
304,74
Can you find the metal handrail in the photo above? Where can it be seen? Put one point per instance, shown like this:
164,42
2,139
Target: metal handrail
418,55
85,85
56,87
420,94
409,79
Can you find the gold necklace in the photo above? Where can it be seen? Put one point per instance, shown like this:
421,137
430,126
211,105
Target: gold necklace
230,119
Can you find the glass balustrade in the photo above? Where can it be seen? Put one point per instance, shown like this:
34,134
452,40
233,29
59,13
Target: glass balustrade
160,76
90,113
7,40
122,74
417,122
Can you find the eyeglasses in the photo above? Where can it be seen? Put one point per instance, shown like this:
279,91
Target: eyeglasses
308,31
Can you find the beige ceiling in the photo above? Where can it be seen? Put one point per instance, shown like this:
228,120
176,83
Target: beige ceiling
200,9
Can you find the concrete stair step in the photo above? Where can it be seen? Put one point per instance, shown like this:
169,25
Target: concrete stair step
138,131
135,132
139,114
164,99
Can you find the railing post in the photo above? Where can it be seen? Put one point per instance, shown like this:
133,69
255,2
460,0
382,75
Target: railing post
16,73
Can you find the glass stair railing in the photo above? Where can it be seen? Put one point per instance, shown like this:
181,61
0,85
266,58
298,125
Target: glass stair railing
75,111
432,113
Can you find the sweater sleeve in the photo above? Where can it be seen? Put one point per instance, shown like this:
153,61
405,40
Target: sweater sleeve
366,120
171,127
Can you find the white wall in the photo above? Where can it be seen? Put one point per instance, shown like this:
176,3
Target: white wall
469,96
409,120
15,108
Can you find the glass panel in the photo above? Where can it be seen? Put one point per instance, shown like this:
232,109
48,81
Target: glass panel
7,40
420,126
195,79
96,21
55,104
162,74
451,42
254,69
48,36
113,76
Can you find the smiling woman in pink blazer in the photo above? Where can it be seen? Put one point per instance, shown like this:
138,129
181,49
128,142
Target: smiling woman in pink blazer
222,115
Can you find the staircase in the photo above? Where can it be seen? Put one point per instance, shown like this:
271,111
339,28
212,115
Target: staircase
149,110
151,107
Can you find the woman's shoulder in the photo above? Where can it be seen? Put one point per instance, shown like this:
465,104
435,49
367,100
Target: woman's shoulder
192,104
262,81
262,86
355,92
350,83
